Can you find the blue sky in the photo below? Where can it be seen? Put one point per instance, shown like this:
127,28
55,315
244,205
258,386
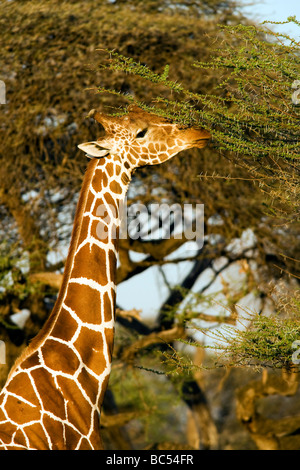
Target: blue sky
275,10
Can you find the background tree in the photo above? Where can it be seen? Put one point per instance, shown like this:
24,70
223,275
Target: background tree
256,119
46,51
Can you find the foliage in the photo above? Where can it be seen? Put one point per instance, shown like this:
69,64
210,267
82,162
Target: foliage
155,407
254,121
251,113
12,280
49,51
268,342
46,51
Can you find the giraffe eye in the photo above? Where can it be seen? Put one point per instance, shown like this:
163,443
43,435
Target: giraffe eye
141,134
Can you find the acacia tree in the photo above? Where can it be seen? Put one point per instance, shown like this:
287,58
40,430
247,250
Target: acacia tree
46,51
48,73
255,123
46,54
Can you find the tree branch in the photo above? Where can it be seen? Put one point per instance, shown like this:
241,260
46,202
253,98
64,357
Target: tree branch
165,336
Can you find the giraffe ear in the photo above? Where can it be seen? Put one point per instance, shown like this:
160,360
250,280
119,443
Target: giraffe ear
93,149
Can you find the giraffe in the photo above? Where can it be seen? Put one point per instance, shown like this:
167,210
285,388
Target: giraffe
54,392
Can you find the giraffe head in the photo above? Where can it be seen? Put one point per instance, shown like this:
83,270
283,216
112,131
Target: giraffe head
142,138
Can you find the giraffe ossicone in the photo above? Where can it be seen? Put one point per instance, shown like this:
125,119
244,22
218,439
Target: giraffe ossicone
53,395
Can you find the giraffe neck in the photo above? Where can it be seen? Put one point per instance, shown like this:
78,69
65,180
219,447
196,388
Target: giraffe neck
84,311
54,393
91,264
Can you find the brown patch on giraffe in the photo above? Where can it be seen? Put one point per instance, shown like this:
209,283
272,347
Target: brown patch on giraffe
112,203
58,356
90,262
89,345
85,445
85,301
31,361
109,337
167,130
100,180
131,159
14,447
117,170
95,437
65,326
103,391
105,222
110,169
21,385
103,211
99,228
101,162
20,438
20,412
78,409
36,436
134,153
72,437
107,211
55,429
2,414
89,383
100,231
89,202
100,203
83,229
6,432
170,142
112,261
151,147
115,187
125,178
118,158
54,401
108,307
